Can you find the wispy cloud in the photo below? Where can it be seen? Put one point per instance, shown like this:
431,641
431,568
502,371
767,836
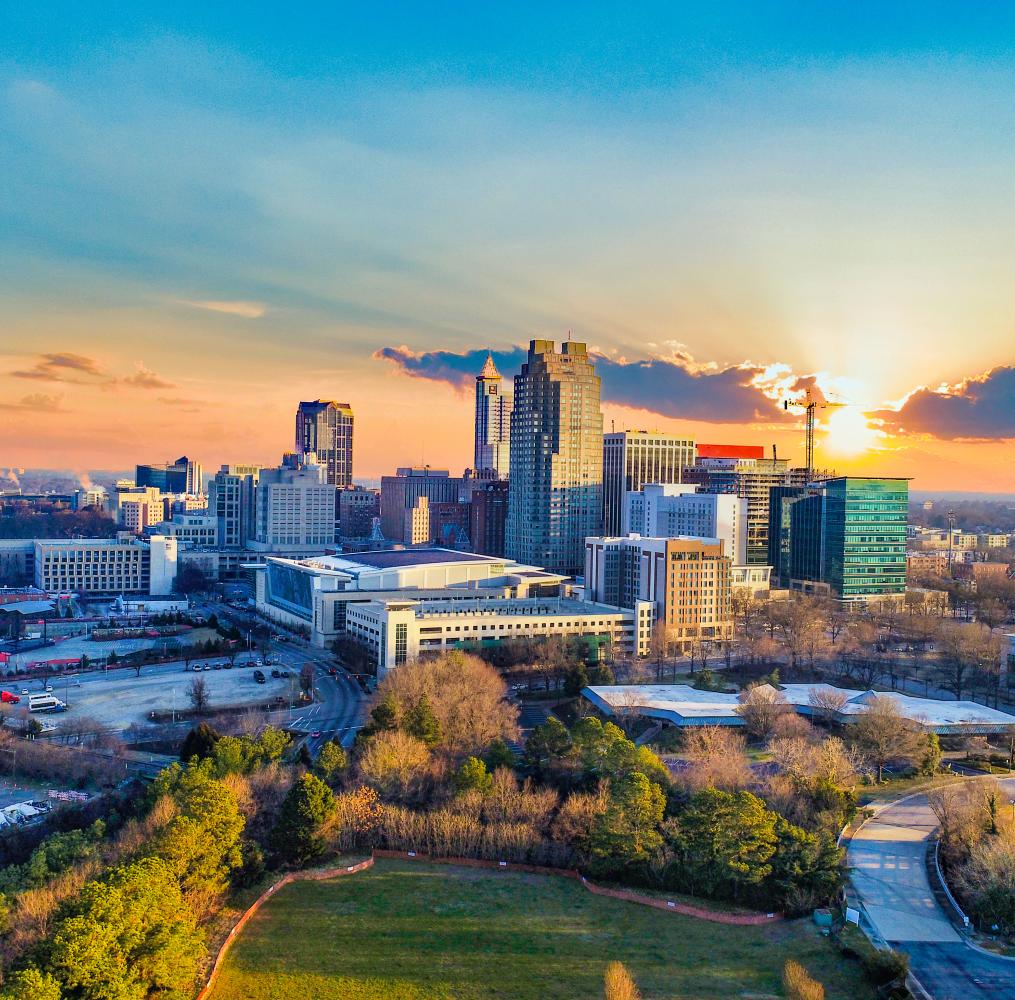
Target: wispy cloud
63,367
145,378
186,405
37,402
245,310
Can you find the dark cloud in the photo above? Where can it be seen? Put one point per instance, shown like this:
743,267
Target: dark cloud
145,378
37,402
670,387
62,367
980,408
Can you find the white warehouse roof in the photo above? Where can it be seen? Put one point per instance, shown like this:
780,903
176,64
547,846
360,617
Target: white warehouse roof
682,705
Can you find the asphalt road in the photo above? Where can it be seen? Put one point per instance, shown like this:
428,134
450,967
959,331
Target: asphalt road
887,858
341,706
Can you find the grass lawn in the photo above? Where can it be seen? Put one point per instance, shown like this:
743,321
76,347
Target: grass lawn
408,931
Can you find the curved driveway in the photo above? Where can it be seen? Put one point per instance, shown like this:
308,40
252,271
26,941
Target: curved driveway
889,873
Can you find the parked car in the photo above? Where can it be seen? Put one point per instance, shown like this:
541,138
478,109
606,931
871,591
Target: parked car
275,673
227,666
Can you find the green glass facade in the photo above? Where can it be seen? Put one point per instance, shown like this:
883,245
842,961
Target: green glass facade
848,533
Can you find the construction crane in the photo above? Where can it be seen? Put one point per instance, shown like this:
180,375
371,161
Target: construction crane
809,406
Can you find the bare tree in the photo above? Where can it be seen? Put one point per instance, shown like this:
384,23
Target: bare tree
827,703
198,694
715,759
761,707
884,735
307,678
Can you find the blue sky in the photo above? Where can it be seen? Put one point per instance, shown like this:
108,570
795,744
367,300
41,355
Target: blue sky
252,201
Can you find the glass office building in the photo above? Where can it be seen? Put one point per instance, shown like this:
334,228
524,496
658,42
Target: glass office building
847,533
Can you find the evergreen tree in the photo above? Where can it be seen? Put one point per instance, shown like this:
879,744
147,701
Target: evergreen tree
628,832
721,843
31,984
547,743
498,754
473,776
331,762
199,742
421,722
296,837
128,935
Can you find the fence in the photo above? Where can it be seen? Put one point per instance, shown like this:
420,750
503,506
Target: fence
310,876
672,906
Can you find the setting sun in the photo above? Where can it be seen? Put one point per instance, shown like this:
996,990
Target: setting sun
847,432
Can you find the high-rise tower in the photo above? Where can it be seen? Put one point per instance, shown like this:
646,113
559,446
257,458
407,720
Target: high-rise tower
324,427
493,422
555,490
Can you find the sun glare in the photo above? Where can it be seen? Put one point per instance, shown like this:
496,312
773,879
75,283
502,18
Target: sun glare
847,432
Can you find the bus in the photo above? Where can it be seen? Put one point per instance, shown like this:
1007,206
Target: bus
45,703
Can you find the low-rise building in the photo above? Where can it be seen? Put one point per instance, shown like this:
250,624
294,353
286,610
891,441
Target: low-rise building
120,565
682,705
314,594
396,631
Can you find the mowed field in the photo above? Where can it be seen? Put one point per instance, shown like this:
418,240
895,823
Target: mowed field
410,931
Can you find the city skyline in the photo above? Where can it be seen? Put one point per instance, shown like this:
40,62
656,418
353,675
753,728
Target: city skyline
352,208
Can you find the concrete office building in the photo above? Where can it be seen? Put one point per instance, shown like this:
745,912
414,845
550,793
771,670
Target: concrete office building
686,581
633,458
399,630
294,508
399,496
181,476
190,530
231,501
324,428
556,484
746,473
493,422
666,510
121,565
91,496
140,509
314,594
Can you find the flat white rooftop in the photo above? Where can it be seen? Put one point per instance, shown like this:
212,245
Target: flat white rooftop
684,705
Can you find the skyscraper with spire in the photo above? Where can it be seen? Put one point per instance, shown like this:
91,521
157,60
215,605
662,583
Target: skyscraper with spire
493,422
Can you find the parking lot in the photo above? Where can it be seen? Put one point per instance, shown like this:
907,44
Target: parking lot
117,698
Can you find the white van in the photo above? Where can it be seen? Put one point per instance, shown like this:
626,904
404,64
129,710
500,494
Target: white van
45,703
